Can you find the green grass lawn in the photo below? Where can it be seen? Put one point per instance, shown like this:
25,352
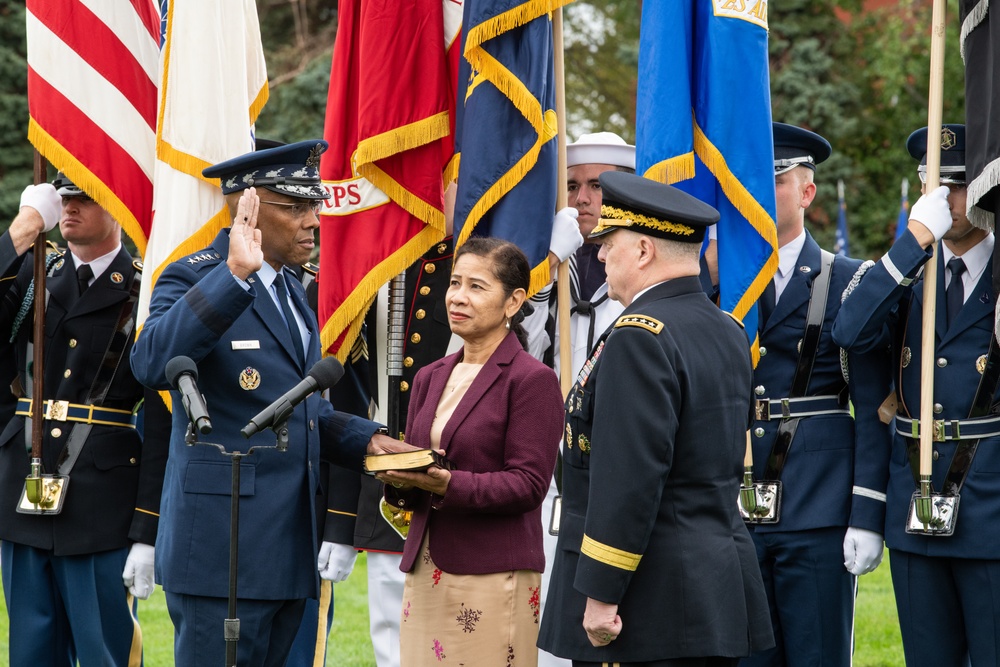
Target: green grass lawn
876,629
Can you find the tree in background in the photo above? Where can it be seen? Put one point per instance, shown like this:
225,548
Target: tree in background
15,152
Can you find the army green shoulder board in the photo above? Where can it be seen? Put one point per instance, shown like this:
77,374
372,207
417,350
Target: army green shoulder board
641,321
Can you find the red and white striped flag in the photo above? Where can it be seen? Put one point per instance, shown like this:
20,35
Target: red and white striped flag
92,69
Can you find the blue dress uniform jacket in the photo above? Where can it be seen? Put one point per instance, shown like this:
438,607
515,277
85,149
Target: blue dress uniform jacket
652,457
114,491
246,360
869,320
834,474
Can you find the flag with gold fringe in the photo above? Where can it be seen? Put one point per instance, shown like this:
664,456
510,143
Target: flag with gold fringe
213,84
389,123
703,124
506,127
92,100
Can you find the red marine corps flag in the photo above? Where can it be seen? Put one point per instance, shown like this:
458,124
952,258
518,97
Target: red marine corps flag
389,123
92,72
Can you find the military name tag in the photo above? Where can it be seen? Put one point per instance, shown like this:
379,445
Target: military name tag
246,344
556,514
943,514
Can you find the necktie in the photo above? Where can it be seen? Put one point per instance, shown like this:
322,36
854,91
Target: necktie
955,294
286,310
766,304
83,275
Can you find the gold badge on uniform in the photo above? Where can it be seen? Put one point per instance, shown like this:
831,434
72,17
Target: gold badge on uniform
584,443
569,436
59,265
116,277
249,378
907,355
981,364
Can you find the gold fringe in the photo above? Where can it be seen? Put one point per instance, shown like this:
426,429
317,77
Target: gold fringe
674,170
85,179
450,174
349,315
540,277
510,19
749,208
403,138
755,349
408,201
263,95
202,238
183,162
509,85
325,600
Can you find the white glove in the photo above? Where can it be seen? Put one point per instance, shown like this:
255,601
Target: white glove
862,551
43,198
336,561
138,573
933,212
566,236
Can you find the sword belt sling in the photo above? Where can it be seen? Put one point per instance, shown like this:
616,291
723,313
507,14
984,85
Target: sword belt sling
770,487
945,504
56,485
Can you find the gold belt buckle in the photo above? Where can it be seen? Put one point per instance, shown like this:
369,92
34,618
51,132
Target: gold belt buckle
763,409
56,410
939,430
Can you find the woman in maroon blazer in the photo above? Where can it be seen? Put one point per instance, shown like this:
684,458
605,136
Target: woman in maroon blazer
473,556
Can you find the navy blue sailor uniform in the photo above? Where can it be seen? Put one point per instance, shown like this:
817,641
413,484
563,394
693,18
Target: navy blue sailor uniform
947,587
112,497
652,454
246,359
832,474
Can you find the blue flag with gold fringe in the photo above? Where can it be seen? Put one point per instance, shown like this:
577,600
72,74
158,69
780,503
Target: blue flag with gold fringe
506,126
703,124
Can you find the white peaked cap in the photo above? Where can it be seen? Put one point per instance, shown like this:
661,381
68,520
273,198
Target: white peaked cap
600,148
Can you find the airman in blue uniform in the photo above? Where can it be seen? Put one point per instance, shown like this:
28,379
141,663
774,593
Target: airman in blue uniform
947,584
240,314
826,524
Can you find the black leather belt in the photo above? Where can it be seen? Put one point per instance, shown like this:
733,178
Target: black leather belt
64,411
951,429
804,406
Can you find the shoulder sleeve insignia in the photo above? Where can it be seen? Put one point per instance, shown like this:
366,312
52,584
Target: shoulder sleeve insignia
137,265
735,319
641,321
310,268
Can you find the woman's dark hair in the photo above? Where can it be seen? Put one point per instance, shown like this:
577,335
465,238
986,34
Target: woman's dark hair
509,265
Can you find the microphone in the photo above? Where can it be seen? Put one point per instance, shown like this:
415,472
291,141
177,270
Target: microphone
323,375
182,374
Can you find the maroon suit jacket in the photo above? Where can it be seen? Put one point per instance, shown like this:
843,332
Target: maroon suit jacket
502,439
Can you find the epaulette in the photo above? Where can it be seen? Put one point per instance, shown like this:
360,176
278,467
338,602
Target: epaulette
201,256
311,269
137,265
735,319
641,321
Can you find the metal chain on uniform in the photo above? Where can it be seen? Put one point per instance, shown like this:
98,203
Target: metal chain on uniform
851,286
29,296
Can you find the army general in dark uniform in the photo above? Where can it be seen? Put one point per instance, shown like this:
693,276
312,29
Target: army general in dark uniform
654,565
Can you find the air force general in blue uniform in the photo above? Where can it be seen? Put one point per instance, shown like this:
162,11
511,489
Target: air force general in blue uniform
947,586
829,518
242,317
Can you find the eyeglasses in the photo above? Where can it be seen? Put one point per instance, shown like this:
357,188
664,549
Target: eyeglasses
299,208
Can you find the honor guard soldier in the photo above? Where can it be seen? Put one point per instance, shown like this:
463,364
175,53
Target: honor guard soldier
654,565
73,561
240,314
945,574
819,473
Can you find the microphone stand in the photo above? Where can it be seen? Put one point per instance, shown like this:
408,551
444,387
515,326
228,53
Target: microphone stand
231,628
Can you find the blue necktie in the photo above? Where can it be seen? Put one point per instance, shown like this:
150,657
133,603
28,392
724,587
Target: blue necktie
955,294
286,310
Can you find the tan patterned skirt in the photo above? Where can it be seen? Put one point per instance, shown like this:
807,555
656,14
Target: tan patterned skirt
476,620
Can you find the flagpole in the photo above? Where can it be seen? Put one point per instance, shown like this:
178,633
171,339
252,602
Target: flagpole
562,284
924,507
33,483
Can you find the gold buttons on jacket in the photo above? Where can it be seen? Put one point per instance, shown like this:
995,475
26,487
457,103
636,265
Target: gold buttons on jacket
936,455
938,408
420,314
56,432
72,342
408,362
430,268
759,432
425,290
404,386
415,338
67,373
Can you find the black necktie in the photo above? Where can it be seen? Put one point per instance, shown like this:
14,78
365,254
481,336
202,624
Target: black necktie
955,294
286,310
83,275
766,304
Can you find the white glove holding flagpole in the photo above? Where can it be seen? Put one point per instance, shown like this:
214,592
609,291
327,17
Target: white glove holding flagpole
862,551
138,573
43,198
336,561
566,237
933,212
